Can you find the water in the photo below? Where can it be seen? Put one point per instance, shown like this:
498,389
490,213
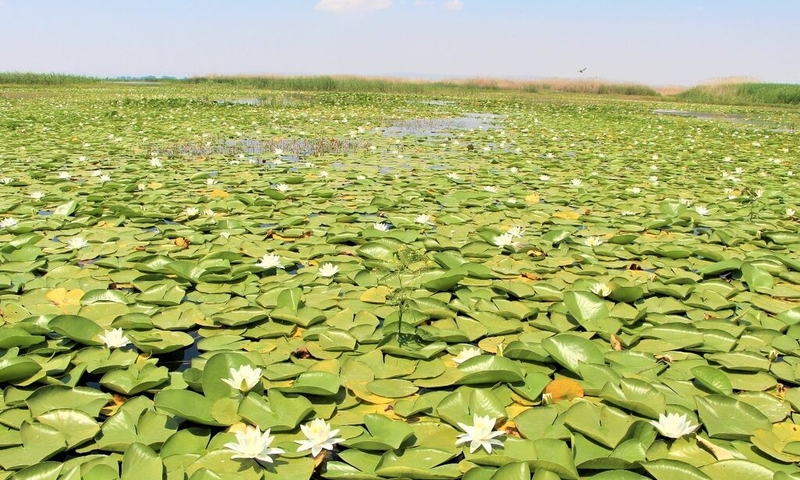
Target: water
423,127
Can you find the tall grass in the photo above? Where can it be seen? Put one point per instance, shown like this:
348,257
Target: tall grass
27,78
744,94
394,85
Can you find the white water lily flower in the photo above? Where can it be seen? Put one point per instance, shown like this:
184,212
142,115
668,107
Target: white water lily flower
225,235
253,444
324,174
453,176
480,434
210,181
270,260
423,219
278,151
142,187
673,425
593,241
282,187
37,195
8,222
328,270
504,240
76,243
154,162
544,178
6,180
653,178
636,190
64,175
466,354
759,193
191,211
244,378
738,170
790,212
319,437
361,177
627,213
513,169
601,289
701,210
576,182
383,227
685,201
114,338
105,178
516,231
490,189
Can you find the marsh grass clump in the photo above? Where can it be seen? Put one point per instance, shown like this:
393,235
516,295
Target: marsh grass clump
28,78
744,94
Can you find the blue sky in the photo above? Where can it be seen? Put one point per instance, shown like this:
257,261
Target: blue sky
659,42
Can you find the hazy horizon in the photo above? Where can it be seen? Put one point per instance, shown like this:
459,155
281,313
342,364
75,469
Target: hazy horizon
679,42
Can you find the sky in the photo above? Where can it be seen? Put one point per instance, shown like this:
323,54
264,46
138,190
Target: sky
656,42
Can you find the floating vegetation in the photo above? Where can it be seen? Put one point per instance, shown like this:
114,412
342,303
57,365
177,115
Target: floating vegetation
194,290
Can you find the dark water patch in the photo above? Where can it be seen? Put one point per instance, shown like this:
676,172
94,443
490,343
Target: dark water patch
423,127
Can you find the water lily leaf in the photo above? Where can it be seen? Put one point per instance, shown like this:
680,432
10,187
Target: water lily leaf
57,397
489,369
727,418
316,383
43,471
76,426
508,471
135,378
461,405
382,434
712,379
392,388
585,306
555,456
737,469
570,351
542,422
443,281
15,369
744,361
605,425
141,461
186,404
39,442
66,209
756,278
418,463
221,464
635,395
77,328
666,469
376,294
278,411
217,368
534,384
160,341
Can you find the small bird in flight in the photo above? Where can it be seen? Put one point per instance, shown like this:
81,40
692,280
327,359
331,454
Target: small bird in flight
582,70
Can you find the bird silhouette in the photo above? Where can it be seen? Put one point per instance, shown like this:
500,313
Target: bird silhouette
582,70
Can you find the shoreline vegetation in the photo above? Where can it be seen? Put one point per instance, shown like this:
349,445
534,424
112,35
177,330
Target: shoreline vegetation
739,92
